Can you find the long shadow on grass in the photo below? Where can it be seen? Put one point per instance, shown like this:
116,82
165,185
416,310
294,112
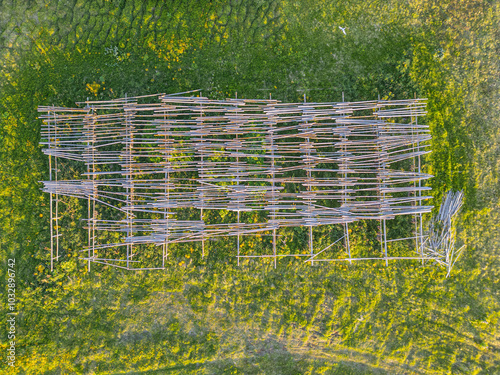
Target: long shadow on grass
337,368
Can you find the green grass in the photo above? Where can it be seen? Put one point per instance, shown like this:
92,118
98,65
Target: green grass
209,316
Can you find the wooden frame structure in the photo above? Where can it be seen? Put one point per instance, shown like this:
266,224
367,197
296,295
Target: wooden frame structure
166,164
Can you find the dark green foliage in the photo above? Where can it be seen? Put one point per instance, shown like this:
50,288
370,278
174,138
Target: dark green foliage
208,316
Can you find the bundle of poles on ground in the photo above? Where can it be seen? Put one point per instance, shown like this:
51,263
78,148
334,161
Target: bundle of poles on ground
163,169
439,242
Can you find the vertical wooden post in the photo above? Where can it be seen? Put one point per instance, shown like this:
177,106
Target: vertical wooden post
88,162
51,213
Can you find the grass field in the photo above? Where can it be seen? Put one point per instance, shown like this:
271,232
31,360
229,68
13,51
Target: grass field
210,316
